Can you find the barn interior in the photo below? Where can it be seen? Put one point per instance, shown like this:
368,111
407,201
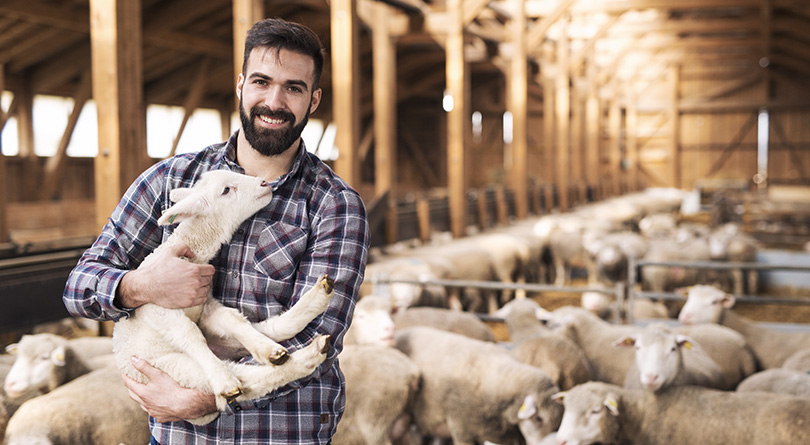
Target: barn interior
449,116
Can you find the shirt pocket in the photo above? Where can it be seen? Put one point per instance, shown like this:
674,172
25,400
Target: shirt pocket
279,250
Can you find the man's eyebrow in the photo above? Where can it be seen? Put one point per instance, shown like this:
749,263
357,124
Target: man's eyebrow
290,82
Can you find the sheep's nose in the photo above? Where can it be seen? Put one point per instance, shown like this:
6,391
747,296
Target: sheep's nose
265,184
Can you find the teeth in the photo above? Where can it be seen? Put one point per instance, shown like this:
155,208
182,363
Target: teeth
271,120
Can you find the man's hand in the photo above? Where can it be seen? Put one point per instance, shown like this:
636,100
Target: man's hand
164,399
169,280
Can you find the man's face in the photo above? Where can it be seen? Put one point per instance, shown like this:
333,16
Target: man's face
276,98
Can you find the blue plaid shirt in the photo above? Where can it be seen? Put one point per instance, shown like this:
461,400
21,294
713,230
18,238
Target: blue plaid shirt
315,224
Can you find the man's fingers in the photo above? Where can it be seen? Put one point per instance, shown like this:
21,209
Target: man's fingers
144,366
181,250
207,270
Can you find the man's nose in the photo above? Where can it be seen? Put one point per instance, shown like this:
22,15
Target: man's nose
274,98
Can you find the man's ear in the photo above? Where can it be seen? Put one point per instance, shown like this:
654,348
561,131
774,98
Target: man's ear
240,82
316,100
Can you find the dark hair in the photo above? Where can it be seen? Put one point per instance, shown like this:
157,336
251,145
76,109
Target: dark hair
281,34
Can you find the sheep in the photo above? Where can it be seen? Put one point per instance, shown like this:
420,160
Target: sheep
173,340
381,383
371,323
597,412
474,391
611,252
609,309
565,235
708,304
463,323
595,336
536,345
800,361
729,243
403,294
94,409
778,380
664,359
45,361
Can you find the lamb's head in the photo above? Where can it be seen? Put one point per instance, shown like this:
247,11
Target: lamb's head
372,323
590,415
705,304
38,366
539,415
659,356
221,194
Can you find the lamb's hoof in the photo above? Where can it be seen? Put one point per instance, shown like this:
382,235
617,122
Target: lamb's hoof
280,357
327,344
232,394
328,284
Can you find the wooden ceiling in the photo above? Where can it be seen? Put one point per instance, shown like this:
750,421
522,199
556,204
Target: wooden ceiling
45,44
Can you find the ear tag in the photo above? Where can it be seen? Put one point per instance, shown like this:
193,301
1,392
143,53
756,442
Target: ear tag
523,408
687,345
612,403
173,217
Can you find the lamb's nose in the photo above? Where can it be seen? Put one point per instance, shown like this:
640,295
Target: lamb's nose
265,184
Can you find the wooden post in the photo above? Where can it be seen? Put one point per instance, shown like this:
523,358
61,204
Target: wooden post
346,88
481,203
3,175
116,44
245,14
631,129
518,106
500,206
615,130
675,123
423,216
25,138
548,138
392,222
457,85
563,111
385,101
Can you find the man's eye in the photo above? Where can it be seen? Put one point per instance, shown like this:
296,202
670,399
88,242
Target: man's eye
226,190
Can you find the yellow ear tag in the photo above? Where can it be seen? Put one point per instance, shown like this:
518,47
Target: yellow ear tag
612,403
522,408
687,345
59,356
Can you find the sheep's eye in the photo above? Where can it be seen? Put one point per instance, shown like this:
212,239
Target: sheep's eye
596,410
226,190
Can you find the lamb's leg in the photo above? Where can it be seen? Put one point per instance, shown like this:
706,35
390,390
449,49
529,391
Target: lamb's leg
228,322
260,380
185,336
311,304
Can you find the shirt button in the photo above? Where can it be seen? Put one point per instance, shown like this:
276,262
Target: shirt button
235,274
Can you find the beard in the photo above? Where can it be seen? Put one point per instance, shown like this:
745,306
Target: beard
270,142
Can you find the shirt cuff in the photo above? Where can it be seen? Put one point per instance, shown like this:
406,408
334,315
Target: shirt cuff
105,294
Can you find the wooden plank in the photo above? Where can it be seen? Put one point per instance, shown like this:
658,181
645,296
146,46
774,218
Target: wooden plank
55,165
346,87
675,122
538,32
3,175
631,144
457,118
593,124
385,101
614,153
117,89
549,132
562,106
245,14
25,141
517,104
423,217
472,8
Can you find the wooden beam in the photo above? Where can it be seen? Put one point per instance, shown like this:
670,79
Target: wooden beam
458,89
472,8
631,144
385,102
346,87
245,14
517,105
549,132
192,100
614,154
562,107
116,44
25,141
3,175
538,33
735,142
675,122
425,168
578,58
55,165
593,125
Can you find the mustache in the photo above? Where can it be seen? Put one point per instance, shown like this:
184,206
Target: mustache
267,111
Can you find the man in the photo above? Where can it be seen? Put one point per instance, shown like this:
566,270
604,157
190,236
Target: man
316,224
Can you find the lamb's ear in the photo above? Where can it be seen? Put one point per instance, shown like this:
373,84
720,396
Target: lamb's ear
684,341
58,356
528,409
190,205
559,397
611,404
728,301
624,342
178,194
12,348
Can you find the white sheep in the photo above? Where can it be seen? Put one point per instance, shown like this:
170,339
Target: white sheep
474,391
380,380
610,309
94,409
381,383
451,320
664,358
708,304
596,412
778,380
534,344
45,361
173,340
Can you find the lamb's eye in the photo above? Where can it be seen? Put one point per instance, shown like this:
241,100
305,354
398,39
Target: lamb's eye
226,190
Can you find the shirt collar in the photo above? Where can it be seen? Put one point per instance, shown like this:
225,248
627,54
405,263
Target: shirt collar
228,159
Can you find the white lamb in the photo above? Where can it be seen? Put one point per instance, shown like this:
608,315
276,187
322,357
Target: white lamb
665,358
172,339
708,304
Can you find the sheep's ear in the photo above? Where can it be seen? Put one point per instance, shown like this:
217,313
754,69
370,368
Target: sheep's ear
559,397
187,207
12,348
727,301
178,194
624,342
683,291
58,356
612,405
684,342
528,409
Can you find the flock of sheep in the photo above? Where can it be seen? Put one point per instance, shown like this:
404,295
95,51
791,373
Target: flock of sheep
420,366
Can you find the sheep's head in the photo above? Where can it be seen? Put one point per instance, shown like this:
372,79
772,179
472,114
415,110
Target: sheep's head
37,366
590,416
705,304
658,354
219,193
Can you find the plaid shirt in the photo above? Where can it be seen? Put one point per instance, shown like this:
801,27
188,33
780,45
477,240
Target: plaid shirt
315,224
